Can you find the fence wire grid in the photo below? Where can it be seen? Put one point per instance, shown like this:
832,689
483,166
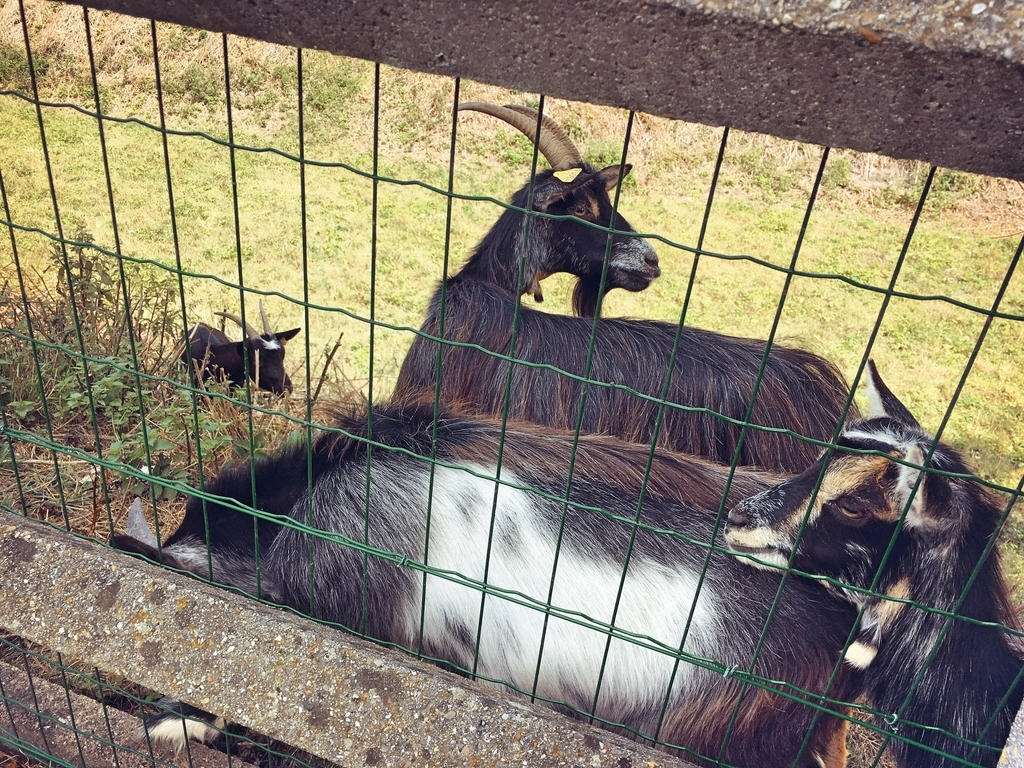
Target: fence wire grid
104,278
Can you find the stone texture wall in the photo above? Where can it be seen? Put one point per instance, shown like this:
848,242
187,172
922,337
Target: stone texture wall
940,81
340,698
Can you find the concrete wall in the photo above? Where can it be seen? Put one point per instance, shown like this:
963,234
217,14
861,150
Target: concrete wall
335,696
940,81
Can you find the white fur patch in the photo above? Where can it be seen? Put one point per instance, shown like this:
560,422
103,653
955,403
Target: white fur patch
631,256
770,560
875,408
272,344
654,603
172,730
762,543
860,655
908,477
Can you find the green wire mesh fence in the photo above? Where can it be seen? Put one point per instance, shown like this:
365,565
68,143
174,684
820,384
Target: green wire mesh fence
147,183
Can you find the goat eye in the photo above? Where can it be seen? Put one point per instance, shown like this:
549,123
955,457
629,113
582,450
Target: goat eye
849,511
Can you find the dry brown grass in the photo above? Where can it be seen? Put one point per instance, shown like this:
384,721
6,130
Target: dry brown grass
10,759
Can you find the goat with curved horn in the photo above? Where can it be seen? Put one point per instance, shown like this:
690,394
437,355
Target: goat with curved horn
215,355
798,390
568,245
266,322
250,332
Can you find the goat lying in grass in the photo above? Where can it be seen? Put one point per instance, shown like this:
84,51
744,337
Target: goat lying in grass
687,703
214,355
953,683
799,391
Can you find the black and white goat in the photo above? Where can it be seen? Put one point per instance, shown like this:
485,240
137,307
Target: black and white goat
800,649
951,683
217,356
713,373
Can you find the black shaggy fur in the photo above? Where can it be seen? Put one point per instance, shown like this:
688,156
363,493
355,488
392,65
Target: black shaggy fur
217,356
713,373
801,646
800,391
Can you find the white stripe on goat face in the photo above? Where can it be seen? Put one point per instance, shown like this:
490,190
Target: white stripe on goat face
655,601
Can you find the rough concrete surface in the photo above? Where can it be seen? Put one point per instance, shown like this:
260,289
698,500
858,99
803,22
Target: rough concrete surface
936,81
77,730
348,701
1013,752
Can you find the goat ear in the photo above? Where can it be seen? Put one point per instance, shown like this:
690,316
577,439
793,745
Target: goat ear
882,402
286,335
138,538
905,485
550,193
610,175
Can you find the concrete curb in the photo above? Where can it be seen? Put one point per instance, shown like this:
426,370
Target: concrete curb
941,81
335,696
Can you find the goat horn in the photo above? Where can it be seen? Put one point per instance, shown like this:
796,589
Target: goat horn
554,144
137,527
250,332
266,322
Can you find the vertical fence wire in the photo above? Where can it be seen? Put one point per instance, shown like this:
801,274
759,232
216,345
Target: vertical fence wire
103,704
5,424
583,399
72,300
661,411
442,301
249,365
830,451
513,340
308,428
179,272
744,427
579,426
71,712
172,212
917,489
36,709
117,250
375,188
47,417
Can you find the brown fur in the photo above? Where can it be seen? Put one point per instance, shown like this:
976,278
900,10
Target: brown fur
756,739
672,476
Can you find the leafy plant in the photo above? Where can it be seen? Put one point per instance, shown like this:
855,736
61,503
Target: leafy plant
837,173
14,68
